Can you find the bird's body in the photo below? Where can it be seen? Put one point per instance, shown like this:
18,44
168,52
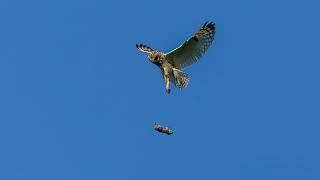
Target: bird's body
183,56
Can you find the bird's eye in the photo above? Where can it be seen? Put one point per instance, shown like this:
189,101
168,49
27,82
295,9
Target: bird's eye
156,58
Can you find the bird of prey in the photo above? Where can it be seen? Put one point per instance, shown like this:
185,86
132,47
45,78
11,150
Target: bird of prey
186,54
163,129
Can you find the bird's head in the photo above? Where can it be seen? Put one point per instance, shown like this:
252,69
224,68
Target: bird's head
156,57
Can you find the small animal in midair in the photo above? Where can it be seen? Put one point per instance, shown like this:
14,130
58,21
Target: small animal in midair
186,54
163,129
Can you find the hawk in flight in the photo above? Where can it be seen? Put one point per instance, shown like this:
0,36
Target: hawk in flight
188,53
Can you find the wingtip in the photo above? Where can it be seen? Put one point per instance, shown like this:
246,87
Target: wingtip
205,24
138,46
211,25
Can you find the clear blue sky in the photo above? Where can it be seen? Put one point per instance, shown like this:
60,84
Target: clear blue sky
78,101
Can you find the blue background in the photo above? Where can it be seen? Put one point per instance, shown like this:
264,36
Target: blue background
78,101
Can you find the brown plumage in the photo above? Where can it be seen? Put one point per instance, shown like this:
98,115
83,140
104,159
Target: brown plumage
188,53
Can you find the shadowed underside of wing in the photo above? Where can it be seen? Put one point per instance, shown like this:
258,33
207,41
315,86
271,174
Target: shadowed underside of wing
193,49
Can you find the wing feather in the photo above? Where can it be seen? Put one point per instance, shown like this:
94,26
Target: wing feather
144,48
194,48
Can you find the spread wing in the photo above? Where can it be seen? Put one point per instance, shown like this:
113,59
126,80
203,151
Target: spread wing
144,48
193,49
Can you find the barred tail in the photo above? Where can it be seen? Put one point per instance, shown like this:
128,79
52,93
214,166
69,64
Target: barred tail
180,79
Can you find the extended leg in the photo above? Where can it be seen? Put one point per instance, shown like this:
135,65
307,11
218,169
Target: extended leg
168,85
167,79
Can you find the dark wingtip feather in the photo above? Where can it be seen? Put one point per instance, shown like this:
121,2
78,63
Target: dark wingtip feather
144,48
211,25
205,24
